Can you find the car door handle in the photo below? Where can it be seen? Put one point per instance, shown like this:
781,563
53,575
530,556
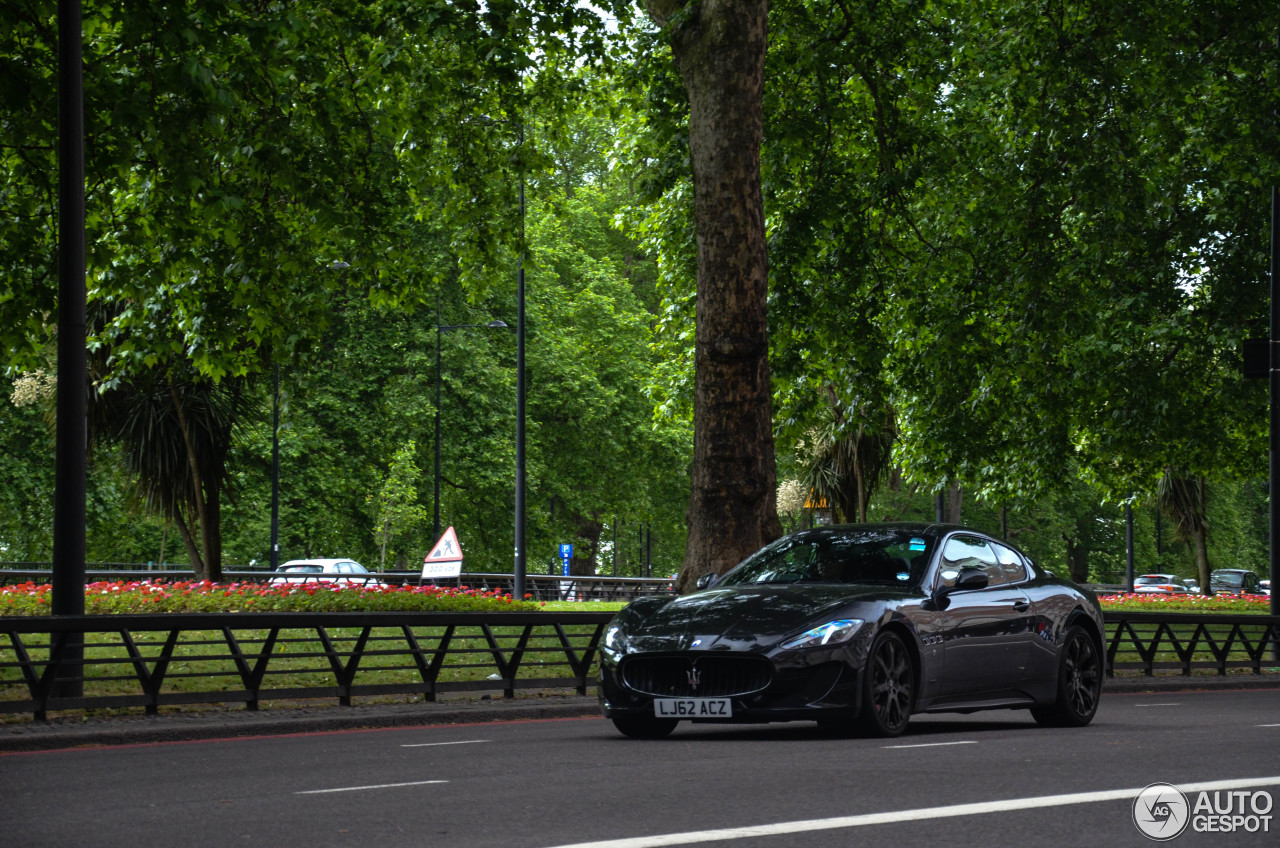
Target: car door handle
1021,606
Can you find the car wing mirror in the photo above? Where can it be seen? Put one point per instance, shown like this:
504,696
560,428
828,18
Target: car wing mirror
966,578
706,581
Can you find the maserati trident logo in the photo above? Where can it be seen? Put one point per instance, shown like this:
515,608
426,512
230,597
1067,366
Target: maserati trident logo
694,677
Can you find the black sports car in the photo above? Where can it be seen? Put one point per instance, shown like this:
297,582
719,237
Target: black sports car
859,625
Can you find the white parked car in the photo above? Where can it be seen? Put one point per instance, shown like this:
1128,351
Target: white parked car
1159,584
344,572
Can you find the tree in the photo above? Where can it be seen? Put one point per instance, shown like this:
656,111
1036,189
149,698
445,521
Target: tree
175,431
719,48
1184,500
397,509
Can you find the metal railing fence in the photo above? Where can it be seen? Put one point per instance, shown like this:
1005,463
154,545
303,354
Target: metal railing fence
1185,642
115,661
150,661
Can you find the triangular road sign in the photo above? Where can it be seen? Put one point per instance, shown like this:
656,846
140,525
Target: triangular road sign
447,549
445,559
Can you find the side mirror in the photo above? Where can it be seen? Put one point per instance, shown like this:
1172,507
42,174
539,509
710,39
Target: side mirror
967,578
706,581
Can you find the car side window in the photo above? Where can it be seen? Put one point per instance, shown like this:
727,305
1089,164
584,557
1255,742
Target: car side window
963,552
1011,564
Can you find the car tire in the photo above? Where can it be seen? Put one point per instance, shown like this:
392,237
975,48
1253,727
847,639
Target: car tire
888,687
1079,683
644,727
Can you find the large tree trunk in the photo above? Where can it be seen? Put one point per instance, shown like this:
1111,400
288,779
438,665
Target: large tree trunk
1077,560
587,530
1185,500
719,47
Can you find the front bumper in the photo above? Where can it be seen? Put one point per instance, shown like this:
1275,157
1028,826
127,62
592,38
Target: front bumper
794,693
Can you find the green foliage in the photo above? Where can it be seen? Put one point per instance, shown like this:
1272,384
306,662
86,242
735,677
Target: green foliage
397,511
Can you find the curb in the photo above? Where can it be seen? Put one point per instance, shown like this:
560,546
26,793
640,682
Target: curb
100,731
83,732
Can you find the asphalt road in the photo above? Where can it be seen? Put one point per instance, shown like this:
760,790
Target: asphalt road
952,780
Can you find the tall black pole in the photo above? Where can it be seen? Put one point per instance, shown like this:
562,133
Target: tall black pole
70,460
275,471
520,563
436,525
1128,544
1273,476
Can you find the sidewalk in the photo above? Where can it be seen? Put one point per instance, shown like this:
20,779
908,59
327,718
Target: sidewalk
76,731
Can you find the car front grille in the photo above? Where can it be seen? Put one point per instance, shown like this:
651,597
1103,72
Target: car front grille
699,676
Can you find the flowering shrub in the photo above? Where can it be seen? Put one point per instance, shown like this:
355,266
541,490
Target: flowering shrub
1156,602
150,597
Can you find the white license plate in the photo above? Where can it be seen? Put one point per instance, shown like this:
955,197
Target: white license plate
693,708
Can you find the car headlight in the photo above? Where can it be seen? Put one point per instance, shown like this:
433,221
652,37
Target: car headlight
831,633
615,642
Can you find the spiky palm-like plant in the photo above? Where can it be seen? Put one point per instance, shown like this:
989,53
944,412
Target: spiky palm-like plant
1183,499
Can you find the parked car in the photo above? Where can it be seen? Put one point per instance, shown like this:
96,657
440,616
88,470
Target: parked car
1234,581
1162,584
858,625
344,572
1191,586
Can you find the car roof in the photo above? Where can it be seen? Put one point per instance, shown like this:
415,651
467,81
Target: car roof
316,561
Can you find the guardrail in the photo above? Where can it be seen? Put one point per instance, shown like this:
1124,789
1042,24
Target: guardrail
159,660
1154,641
543,587
149,661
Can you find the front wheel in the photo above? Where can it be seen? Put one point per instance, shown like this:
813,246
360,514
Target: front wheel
644,727
888,687
1079,683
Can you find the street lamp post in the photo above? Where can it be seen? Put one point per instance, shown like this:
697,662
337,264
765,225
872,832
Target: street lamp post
521,562
275,471
440,328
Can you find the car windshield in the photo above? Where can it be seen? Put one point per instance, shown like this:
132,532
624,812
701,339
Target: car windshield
1228,579
1153,580
881,557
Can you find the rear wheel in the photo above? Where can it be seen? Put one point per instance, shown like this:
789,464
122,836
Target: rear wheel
888,687
644,727
1079,683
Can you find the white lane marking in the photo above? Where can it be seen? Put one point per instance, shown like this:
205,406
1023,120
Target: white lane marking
980,808
362,788
931,744
433,744
1158,705
1269,725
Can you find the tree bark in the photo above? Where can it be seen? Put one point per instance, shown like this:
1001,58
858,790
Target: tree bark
719,48
587,531
207,510
1077,560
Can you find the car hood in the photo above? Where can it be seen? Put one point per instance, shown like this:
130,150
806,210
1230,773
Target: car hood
751,618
